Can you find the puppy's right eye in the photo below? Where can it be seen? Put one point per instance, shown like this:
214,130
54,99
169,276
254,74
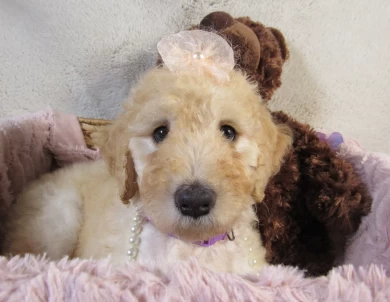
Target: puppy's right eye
160,133
228,132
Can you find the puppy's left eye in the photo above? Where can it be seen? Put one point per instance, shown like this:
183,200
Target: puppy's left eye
160,133
228,132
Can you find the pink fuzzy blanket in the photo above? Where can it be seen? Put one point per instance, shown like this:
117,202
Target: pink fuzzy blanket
40,142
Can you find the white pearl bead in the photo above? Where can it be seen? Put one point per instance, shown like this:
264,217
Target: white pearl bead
252,262
134,253
137,218
136,229
198,55
134,240
245,238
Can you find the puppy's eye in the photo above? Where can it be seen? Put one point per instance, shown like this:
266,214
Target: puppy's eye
228,132
160,133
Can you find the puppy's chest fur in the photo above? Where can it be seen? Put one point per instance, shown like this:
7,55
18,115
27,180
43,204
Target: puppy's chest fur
160,250
106,231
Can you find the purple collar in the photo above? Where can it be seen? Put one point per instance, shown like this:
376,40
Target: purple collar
209,242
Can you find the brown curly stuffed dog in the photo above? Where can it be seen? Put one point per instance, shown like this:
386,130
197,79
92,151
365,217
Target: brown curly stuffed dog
260,51
312,205
316,201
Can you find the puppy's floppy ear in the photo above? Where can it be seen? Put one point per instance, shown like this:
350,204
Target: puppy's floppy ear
282,145
271,157
113,142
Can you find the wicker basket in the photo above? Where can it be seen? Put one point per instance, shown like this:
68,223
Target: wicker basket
89,126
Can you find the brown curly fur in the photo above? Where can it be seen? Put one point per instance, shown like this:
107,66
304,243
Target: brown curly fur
315,196
316,201
273,55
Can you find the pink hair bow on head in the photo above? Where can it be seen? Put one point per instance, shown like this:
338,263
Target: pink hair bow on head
203,52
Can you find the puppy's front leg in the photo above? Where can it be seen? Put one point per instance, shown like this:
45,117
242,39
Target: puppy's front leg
46,218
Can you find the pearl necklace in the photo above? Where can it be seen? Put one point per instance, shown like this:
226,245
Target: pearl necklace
251,261
134,240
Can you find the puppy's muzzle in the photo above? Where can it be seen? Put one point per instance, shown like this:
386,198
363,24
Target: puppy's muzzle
195,199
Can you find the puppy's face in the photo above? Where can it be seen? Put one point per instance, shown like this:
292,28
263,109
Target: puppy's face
198,153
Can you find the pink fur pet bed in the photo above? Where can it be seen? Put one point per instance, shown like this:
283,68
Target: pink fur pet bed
38,143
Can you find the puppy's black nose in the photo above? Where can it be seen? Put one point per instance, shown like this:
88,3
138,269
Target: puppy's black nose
195,199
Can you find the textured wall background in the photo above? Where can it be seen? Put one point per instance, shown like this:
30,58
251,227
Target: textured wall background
82,56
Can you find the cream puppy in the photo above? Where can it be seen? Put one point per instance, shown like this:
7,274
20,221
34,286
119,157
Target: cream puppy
183,165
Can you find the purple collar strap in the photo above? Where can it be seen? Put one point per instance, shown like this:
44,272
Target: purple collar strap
209,242
205,243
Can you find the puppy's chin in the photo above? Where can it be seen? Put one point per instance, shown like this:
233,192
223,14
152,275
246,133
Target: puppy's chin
189,229
197,229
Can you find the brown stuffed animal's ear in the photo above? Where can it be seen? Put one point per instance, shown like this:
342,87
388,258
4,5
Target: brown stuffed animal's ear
242,39
216,21
115,151
282,43
271,158
274,53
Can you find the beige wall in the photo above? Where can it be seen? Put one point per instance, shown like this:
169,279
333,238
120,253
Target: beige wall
82,56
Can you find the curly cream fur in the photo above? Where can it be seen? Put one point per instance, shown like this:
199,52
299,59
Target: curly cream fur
139,171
